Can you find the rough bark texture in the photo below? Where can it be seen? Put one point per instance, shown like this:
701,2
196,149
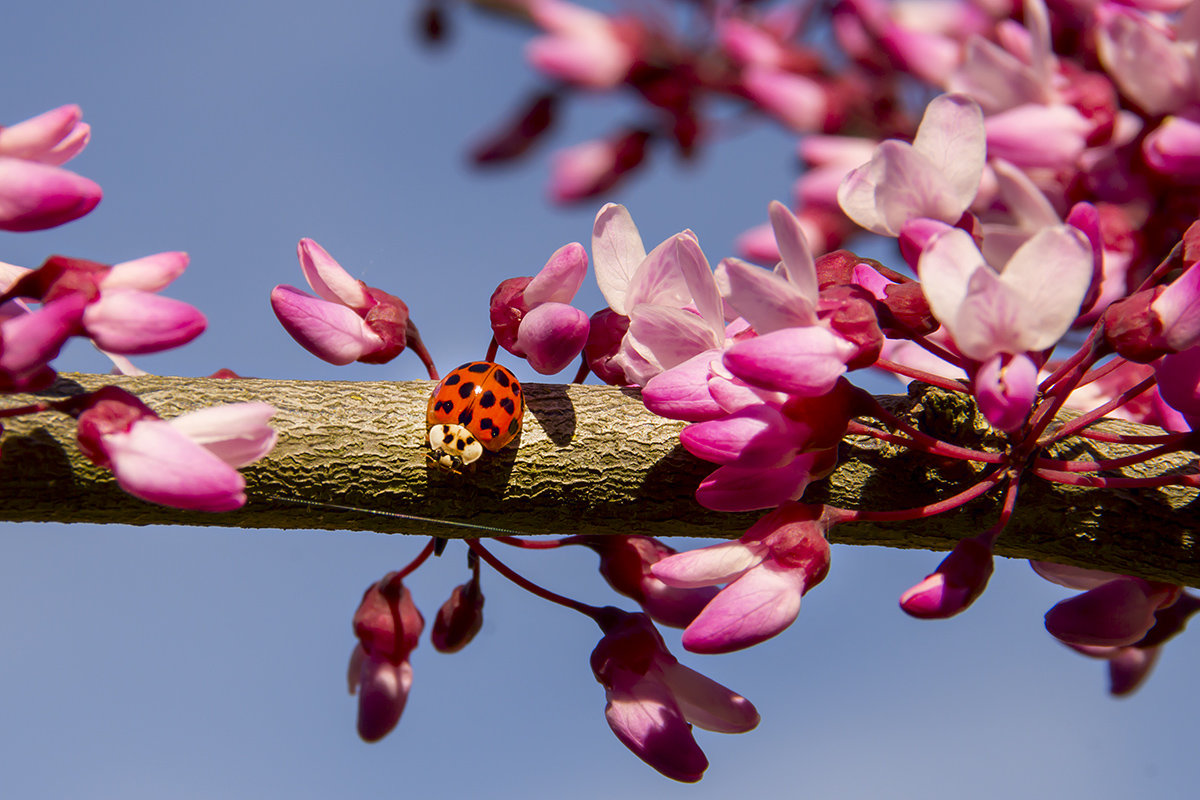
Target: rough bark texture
590,460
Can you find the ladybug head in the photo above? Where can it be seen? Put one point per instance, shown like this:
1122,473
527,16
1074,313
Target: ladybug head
453,446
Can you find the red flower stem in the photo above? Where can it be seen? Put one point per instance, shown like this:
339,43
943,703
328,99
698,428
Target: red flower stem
1100,372
1122,438
535,544
927,443
425,553
1087,354
584,370
1084,420
530,586
32,408
1163,268
951,384
1094,481
921,512
1112,463
493,349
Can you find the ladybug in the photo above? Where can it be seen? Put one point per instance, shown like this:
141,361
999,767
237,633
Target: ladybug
478,405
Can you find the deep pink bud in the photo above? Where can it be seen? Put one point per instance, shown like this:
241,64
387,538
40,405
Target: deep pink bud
29,341
105,411
516,136
605,334
592,168
1120,612
850,311
387,319
625,562
459,618
36,196
1132,329
387,621
507,308
959,580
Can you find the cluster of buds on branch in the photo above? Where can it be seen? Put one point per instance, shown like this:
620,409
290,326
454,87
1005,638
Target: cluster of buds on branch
189,462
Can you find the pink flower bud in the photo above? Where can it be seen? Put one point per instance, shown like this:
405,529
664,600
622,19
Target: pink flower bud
958,581
516,136
459,618
1119,612
29,341
606,331
592,168
36,196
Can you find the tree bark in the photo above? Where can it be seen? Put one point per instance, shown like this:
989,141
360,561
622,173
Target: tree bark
591,459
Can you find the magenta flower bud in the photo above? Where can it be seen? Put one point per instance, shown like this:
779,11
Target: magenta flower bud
382,689
531,317
626,561
131,322
1133,329
29,341
592,168
909,311
36,196
1119,612
1173,149
459,618
388,626
606,331
582,46
653,701
516,136
1005,387
850,312
802,361
958,581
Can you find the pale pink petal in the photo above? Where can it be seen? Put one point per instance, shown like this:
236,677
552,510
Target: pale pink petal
698,277
856,196
767,301
1150,68
159,464
36,196
708,566
668,335
947,264
617,252
707,704
643,714
758,605
330,331
560,279
1051,272
328,279
659,279
237,433
797,100
951,137
38,138
1173,149
798,266
1033,136
802,361
996,78
989,319
911,186
133,322
149,273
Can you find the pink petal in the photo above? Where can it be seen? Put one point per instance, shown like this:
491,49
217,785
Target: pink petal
698,277
707,704
38,138
132,322
551,336
1178,307
734,488
36,196
856,197
911,185
560,279
1005,388
797,100
989,319
708,566
1116,613
237,433
769,302
1037,136
1129,668
1073,577
668,336
1051,272
328,279
951,136
149,274
1173,149
330,331
617,252
31,340
802,361
947,264
796,257
659,280
757,436
682,391
644,715
159,464
758,605
382,694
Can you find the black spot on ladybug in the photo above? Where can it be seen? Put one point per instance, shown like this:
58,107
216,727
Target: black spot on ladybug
445,405
452,379
516,388
470,440
513,427
487,399
465,417
479,366
508,405
466,390
448,438
460,445
501,377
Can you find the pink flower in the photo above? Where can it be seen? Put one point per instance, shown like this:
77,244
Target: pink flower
584,46
626,562
1153,66
532,317
348,321
937,176
999,317
388,626
653,700
30,340
768,570
188,462
124,314
34,192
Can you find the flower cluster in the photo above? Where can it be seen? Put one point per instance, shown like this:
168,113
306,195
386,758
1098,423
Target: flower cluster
188,462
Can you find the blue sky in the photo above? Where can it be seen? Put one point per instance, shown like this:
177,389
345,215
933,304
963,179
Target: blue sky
175,662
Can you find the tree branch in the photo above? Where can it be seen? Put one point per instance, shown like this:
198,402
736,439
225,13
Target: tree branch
591,460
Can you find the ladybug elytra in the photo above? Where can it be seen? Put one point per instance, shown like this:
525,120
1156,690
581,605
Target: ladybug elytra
477,406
